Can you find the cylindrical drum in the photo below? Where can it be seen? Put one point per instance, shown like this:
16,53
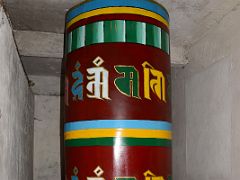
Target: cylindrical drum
117,91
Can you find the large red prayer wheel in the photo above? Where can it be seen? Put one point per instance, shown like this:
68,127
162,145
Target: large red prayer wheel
117,99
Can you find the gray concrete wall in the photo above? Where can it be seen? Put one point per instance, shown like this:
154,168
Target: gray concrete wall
208,123
16,111
207,127
179,124
47,138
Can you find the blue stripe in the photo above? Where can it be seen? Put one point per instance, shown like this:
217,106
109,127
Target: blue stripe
96,4
107,124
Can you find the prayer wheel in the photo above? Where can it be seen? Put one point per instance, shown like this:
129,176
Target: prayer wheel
117,91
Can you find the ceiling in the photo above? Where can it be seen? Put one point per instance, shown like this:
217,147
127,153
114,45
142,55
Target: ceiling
190,20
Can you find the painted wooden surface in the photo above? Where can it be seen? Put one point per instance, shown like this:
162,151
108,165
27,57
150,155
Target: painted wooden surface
117,93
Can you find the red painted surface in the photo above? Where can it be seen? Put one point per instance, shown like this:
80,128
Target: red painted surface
130,108
123,161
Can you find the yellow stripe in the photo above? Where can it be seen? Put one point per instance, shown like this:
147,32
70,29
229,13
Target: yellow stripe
118,10
131,133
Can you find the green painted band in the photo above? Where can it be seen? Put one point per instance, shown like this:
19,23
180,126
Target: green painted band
118,142
118,31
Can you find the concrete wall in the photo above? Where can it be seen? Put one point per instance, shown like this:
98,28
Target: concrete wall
179,124
207,126
208,123
47,138
16,111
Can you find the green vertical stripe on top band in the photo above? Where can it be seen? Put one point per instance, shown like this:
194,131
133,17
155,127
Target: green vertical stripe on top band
74,39
154,36
136,32
118,31
168,43
141,32
78,38
165,42
94,33
118,142
114,31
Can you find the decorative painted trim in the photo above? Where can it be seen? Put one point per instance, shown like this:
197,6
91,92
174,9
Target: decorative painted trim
118,31
118,10
121,133
111,124
118,142
126,17
96,4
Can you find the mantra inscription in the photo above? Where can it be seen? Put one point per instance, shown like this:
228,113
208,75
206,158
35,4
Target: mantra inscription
127,83
148,175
